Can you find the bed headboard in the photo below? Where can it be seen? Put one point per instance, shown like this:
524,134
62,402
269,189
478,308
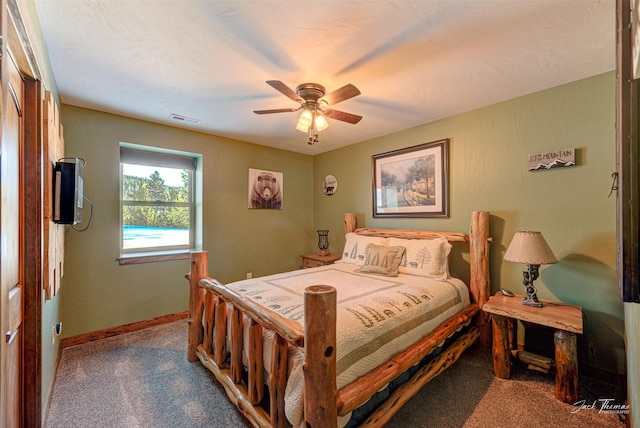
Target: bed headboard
479,243
350,225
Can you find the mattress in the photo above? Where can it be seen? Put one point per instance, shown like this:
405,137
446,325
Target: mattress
377,316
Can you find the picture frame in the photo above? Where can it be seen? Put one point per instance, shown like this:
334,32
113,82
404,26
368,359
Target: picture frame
412,182
266,189
330,185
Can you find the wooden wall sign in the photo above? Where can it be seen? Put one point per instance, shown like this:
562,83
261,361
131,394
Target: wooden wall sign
556,159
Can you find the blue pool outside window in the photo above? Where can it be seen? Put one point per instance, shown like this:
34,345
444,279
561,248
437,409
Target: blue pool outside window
157,201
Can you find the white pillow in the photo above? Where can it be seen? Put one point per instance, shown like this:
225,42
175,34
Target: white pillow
355,247
424,257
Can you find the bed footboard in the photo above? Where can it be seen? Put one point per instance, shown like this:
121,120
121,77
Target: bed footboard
208,342
207,338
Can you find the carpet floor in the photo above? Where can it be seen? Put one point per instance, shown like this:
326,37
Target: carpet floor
143,379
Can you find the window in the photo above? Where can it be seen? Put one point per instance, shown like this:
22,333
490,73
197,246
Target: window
157,203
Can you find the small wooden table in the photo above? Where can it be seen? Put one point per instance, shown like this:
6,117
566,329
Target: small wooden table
566,319
315,260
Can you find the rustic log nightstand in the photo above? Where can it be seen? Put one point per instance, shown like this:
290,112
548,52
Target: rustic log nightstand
566,319
315,259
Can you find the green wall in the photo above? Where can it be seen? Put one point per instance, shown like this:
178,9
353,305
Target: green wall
488,172
98,293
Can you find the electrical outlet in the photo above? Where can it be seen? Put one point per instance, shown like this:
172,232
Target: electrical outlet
249,275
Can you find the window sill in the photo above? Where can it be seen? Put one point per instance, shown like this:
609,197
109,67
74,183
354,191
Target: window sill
152,257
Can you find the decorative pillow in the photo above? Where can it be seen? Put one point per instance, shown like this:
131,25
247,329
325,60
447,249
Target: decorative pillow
424,257
356,245
382,260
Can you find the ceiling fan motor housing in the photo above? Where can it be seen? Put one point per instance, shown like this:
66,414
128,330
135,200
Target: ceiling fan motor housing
310,92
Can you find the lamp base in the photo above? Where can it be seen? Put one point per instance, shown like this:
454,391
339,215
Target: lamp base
528,276
529,301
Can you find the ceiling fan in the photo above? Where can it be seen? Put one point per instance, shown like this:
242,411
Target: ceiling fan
314,104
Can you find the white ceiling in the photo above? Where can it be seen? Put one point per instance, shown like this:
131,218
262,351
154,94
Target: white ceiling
415,61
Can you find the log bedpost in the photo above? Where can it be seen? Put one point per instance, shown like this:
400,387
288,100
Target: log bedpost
349,222
319,368
199,270
480,287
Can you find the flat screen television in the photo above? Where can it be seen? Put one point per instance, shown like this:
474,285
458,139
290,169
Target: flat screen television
68,197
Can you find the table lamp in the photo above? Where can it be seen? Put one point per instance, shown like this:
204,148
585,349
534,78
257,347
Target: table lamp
531,249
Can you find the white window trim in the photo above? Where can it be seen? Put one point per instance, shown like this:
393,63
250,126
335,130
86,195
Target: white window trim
163,157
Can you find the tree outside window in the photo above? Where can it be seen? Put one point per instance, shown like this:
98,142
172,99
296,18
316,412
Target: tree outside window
157,202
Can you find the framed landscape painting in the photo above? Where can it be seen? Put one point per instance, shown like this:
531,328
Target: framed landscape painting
412,182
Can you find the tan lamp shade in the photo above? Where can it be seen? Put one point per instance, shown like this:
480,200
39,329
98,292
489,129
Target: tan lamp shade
530,248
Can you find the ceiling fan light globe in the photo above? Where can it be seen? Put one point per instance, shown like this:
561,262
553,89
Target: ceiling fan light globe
305,120
321,122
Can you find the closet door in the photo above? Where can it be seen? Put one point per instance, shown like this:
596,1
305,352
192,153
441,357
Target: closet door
11,243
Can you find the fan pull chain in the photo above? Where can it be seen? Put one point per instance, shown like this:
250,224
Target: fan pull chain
312,139
313,134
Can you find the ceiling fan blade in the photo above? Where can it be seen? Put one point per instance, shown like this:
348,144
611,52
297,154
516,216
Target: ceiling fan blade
284,89
344,93
277,110
341,115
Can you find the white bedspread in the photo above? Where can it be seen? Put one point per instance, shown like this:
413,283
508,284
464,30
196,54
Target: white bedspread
377,316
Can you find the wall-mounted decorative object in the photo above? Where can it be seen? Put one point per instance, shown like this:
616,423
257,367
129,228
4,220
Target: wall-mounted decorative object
556,159
412,182
265,189
329,185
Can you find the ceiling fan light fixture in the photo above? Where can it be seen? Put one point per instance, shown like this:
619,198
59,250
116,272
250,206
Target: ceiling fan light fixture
313,98
321,122
305,120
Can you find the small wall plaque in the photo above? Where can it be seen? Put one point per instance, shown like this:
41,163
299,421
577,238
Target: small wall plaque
330,185
556,159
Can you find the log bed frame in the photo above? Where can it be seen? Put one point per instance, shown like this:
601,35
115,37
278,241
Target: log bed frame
208,302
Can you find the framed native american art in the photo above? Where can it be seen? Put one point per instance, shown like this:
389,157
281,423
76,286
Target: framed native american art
412,182
265,189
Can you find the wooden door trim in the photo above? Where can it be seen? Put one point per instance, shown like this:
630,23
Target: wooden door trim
33,263
627,141
17,35
19,45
